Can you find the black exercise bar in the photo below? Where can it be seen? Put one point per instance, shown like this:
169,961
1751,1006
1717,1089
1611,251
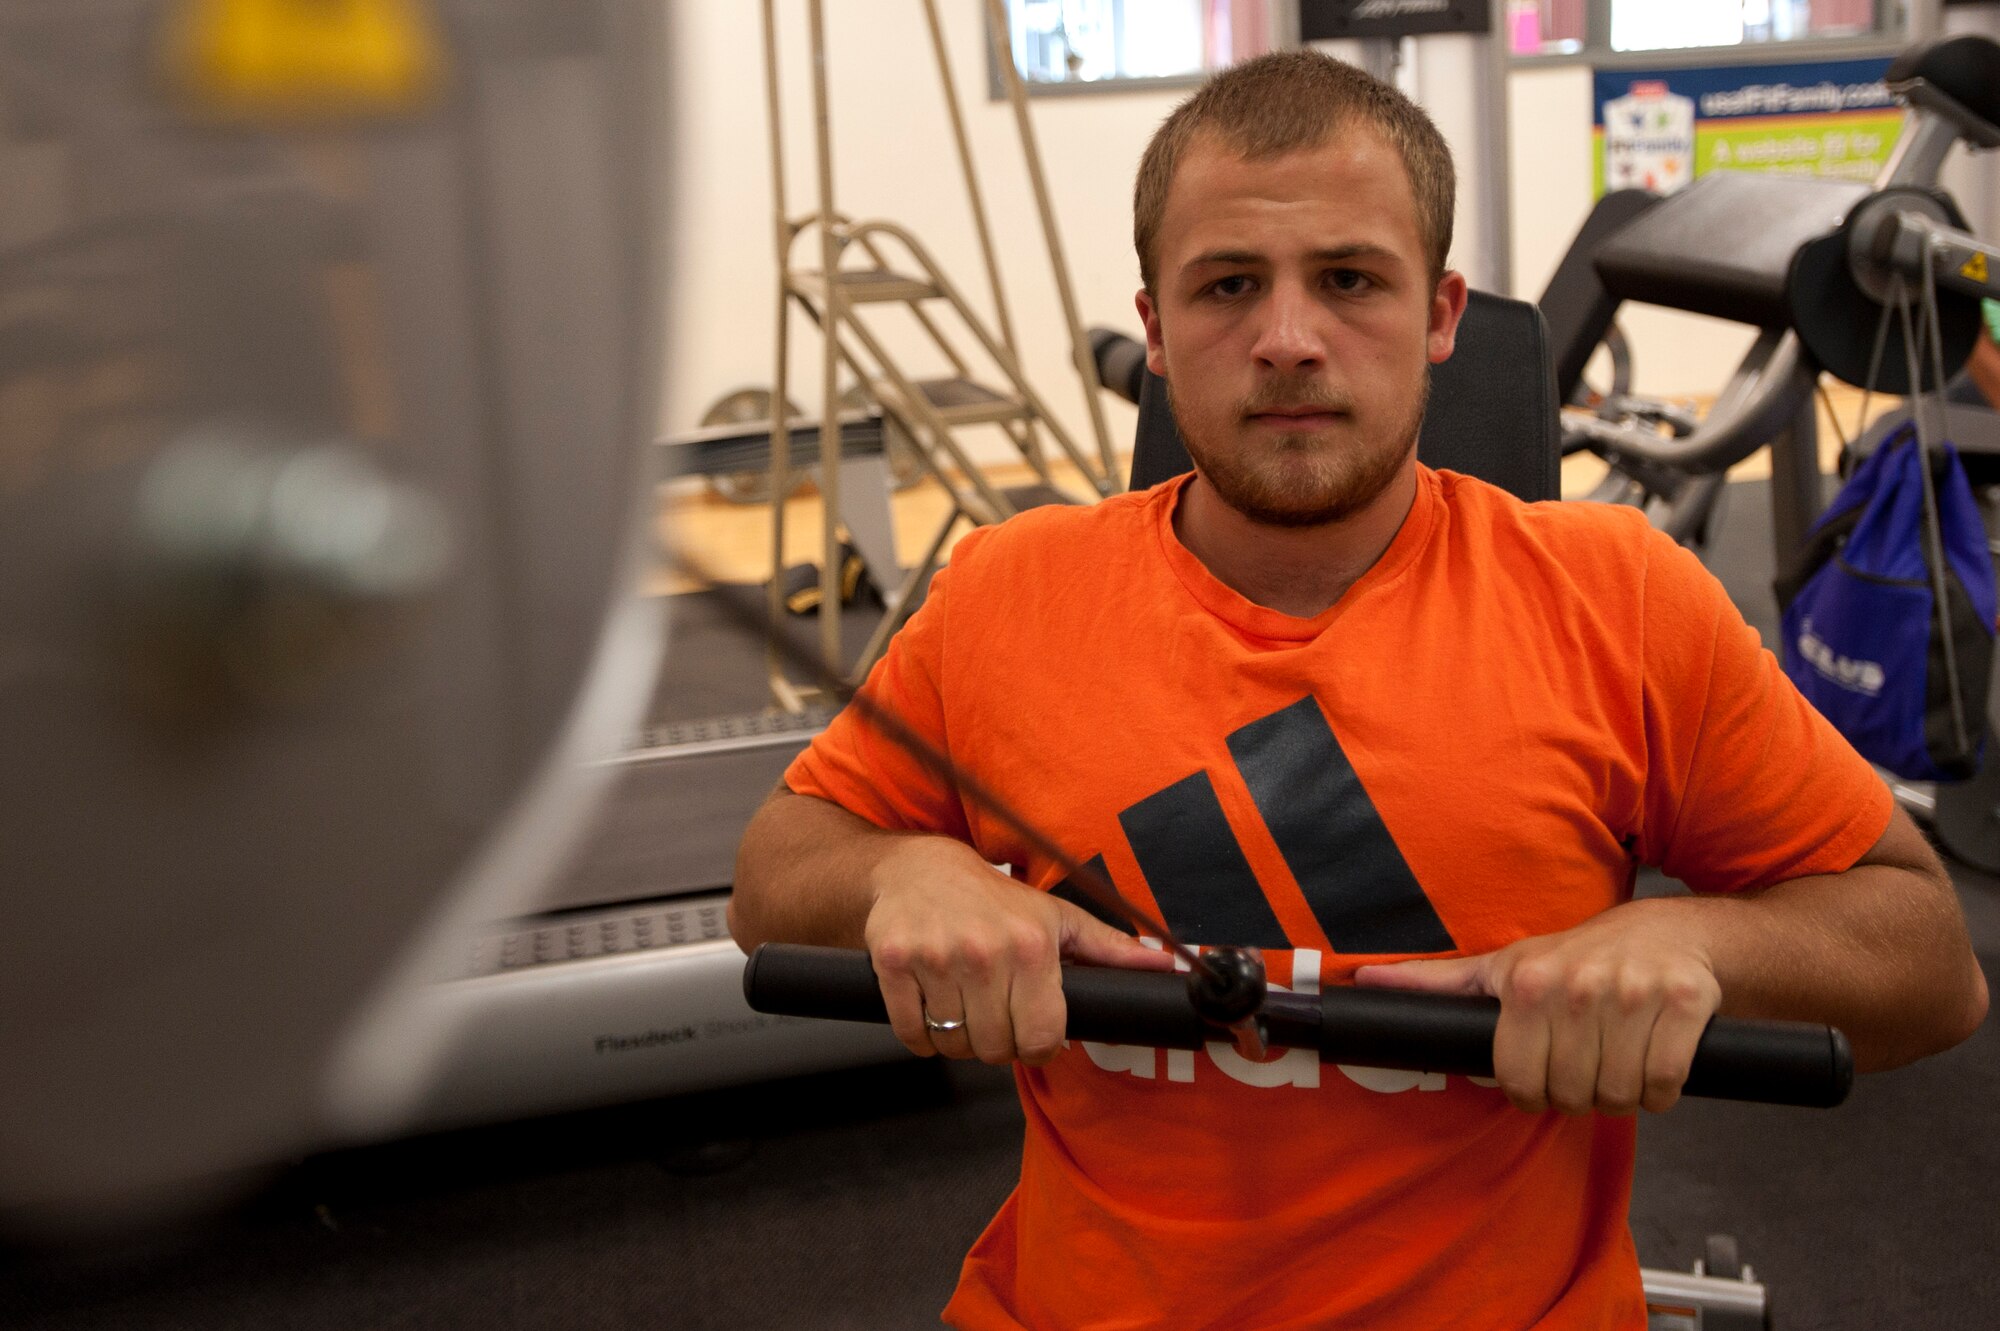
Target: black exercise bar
1771,1062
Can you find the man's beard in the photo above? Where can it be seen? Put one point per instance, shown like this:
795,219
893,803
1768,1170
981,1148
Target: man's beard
1307,481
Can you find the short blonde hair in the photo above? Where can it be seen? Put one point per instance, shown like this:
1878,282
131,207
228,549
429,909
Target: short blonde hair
1286,102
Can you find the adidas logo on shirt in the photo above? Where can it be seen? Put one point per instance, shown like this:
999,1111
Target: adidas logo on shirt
1360,888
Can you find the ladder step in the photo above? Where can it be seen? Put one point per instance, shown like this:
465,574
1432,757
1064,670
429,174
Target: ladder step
864,286
960,401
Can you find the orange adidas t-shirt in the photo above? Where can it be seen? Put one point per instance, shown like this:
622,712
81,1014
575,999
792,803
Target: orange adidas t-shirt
1475,744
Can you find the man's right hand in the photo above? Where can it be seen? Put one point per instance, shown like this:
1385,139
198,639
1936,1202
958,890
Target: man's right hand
952,937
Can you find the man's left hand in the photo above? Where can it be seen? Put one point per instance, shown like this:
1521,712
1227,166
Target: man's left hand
1603,1017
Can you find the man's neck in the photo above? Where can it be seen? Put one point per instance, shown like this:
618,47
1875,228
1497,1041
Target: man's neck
1299,571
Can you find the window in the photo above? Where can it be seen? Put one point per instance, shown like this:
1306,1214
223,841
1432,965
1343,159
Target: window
1602,27
1101,43
1645,25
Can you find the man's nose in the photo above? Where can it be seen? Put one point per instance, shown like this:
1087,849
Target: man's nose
1290,337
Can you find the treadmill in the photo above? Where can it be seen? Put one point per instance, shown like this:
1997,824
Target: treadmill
623,983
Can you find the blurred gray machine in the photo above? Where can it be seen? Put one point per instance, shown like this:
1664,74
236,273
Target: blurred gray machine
327,363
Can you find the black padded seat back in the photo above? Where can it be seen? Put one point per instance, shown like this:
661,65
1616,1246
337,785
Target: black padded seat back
1965,68
1723,246
1578,308
1493,409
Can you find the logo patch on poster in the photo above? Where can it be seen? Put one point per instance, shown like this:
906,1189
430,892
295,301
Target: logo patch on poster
1649,139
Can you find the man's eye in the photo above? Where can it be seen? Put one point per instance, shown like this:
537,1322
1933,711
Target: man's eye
1350,280
1230,286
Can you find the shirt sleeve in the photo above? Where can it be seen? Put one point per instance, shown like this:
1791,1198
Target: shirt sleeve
859,761
1746,783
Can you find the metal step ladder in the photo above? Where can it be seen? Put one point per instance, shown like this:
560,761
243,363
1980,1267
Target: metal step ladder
864,270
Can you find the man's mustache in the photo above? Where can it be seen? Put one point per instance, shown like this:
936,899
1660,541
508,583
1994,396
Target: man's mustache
1296,395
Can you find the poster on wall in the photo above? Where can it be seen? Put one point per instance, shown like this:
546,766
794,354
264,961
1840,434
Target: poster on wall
1659,129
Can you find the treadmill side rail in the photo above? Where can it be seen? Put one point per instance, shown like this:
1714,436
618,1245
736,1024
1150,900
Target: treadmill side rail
566,1035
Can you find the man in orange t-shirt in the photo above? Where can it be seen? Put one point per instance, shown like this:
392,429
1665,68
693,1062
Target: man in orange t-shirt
1391,726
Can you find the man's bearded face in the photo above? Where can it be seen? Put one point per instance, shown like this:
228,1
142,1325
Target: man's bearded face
1296,320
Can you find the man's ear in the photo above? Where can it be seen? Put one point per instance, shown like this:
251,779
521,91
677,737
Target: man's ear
1156,348
1447,307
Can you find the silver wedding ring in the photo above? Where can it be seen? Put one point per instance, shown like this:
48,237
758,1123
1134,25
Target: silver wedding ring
933,1024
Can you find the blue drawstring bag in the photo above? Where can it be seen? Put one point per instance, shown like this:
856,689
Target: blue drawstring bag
1865,636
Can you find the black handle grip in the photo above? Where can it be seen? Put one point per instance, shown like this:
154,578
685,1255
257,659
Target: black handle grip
1773,1062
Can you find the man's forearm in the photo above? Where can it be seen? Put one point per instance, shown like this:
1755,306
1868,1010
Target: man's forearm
1879,951
805,873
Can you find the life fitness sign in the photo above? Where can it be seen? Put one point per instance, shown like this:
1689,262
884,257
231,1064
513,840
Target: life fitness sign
1320,20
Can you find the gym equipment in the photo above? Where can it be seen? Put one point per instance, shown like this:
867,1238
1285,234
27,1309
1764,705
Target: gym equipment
752,406
836,296
800,584
1121,362
324,405
1788,1063
746,406
1721,247
1791,1063
1772,1062
1581,314
1722,1293
1725,246
1582,318
1892,300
